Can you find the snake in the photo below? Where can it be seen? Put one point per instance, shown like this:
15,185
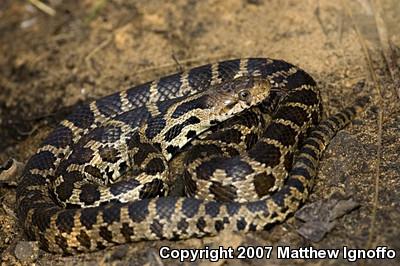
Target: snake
248,135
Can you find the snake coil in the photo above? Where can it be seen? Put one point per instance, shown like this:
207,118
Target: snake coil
238,124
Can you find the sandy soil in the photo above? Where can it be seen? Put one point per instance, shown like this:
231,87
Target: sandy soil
52,59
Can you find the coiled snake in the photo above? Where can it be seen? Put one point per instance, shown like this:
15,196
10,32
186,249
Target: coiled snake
104,177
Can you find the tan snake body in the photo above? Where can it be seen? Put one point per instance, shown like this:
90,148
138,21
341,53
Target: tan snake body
75,196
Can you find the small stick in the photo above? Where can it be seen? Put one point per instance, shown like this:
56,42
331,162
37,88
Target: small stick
43,7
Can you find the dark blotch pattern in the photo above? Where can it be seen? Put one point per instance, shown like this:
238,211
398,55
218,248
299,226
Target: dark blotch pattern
200,77
42,160
138,210
307,97
139,95
152,189
280,196
89,194
83,117
190,207
110,105
282,133
109,154
301,172
252,227
232,151
223,193
64,190
89,217
250,140
202,151
197,103
183,225
42,216
201,224
123,185
299,78
228,69
100,245
233,208
171,149
65,221
166,207
154,166
288,161
265,153
43,242
219,225
127,231
111,214
83,239
212,208
295,114
105,233
267,68
154,126
257,207
80,156
241,224
142,154
263,183
234,167
61,137
174,131
191,134
134,118
62,243
169,85
93,171
157,228
214,122
229,135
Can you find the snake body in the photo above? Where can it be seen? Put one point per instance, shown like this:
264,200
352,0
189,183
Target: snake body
76,193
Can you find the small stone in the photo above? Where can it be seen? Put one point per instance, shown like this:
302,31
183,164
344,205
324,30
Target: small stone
27,251
320,216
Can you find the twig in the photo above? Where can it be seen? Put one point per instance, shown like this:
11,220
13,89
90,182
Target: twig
371,233
387,50
183,62
101,46
43,7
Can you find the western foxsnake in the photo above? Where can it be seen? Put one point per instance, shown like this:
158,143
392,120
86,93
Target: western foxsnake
236,125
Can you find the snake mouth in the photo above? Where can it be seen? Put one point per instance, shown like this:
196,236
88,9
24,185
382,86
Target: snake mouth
229,105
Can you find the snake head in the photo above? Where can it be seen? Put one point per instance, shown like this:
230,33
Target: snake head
240,94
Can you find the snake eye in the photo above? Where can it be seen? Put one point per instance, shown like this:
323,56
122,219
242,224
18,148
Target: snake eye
244,95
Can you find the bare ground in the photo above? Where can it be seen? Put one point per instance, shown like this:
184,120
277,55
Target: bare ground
55,56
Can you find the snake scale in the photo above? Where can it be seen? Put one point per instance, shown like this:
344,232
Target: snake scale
103,176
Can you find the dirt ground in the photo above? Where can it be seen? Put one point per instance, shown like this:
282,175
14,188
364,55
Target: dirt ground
62,53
